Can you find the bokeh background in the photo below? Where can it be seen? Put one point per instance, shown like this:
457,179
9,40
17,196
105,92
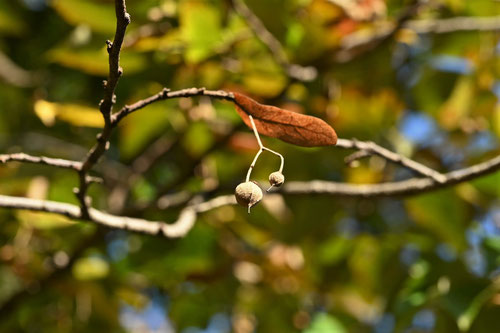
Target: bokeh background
426,263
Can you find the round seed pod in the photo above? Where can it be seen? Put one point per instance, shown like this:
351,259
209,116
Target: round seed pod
276,179
248,194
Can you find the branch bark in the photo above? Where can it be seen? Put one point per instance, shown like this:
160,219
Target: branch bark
167,94
56,162
179,228
188,215
401,188
369,148
105,106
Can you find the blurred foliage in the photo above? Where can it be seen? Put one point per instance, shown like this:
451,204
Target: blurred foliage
428,263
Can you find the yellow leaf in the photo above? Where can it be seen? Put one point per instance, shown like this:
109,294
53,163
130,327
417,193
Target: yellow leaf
94,61
407,36
496,120
363,175
77,115
265,85
90,268
41,220
133,298
458,105
46,112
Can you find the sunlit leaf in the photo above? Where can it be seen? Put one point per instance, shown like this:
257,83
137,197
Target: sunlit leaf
325,323
74,114
94,61
90,268
363,175
496,120
42,220
458,105
366,115
200,28
266,85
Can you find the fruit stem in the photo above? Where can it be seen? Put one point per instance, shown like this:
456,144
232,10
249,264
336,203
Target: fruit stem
261,148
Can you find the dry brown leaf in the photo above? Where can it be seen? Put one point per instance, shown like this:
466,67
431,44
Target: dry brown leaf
291,127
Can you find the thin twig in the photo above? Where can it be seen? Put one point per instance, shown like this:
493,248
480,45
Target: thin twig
11,73
302,73
370,148
350,50
359,40
252,165
167,94
401,188
261,149
455,24
56,162
106,104
350,159
43,160
282,159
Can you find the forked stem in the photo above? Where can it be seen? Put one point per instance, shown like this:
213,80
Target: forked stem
261,149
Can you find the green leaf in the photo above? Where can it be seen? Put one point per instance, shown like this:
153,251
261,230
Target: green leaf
90,268
442,213
325,323
334,250
42,220
95,61
198,138
99,17
140,128
11,23
489,184
200,29
466,319
458,105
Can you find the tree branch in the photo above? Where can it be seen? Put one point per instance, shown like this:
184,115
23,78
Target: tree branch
167,94
401,188
360,40
179,228
188,215
351,48
106,104
369,148
56,162
11,73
